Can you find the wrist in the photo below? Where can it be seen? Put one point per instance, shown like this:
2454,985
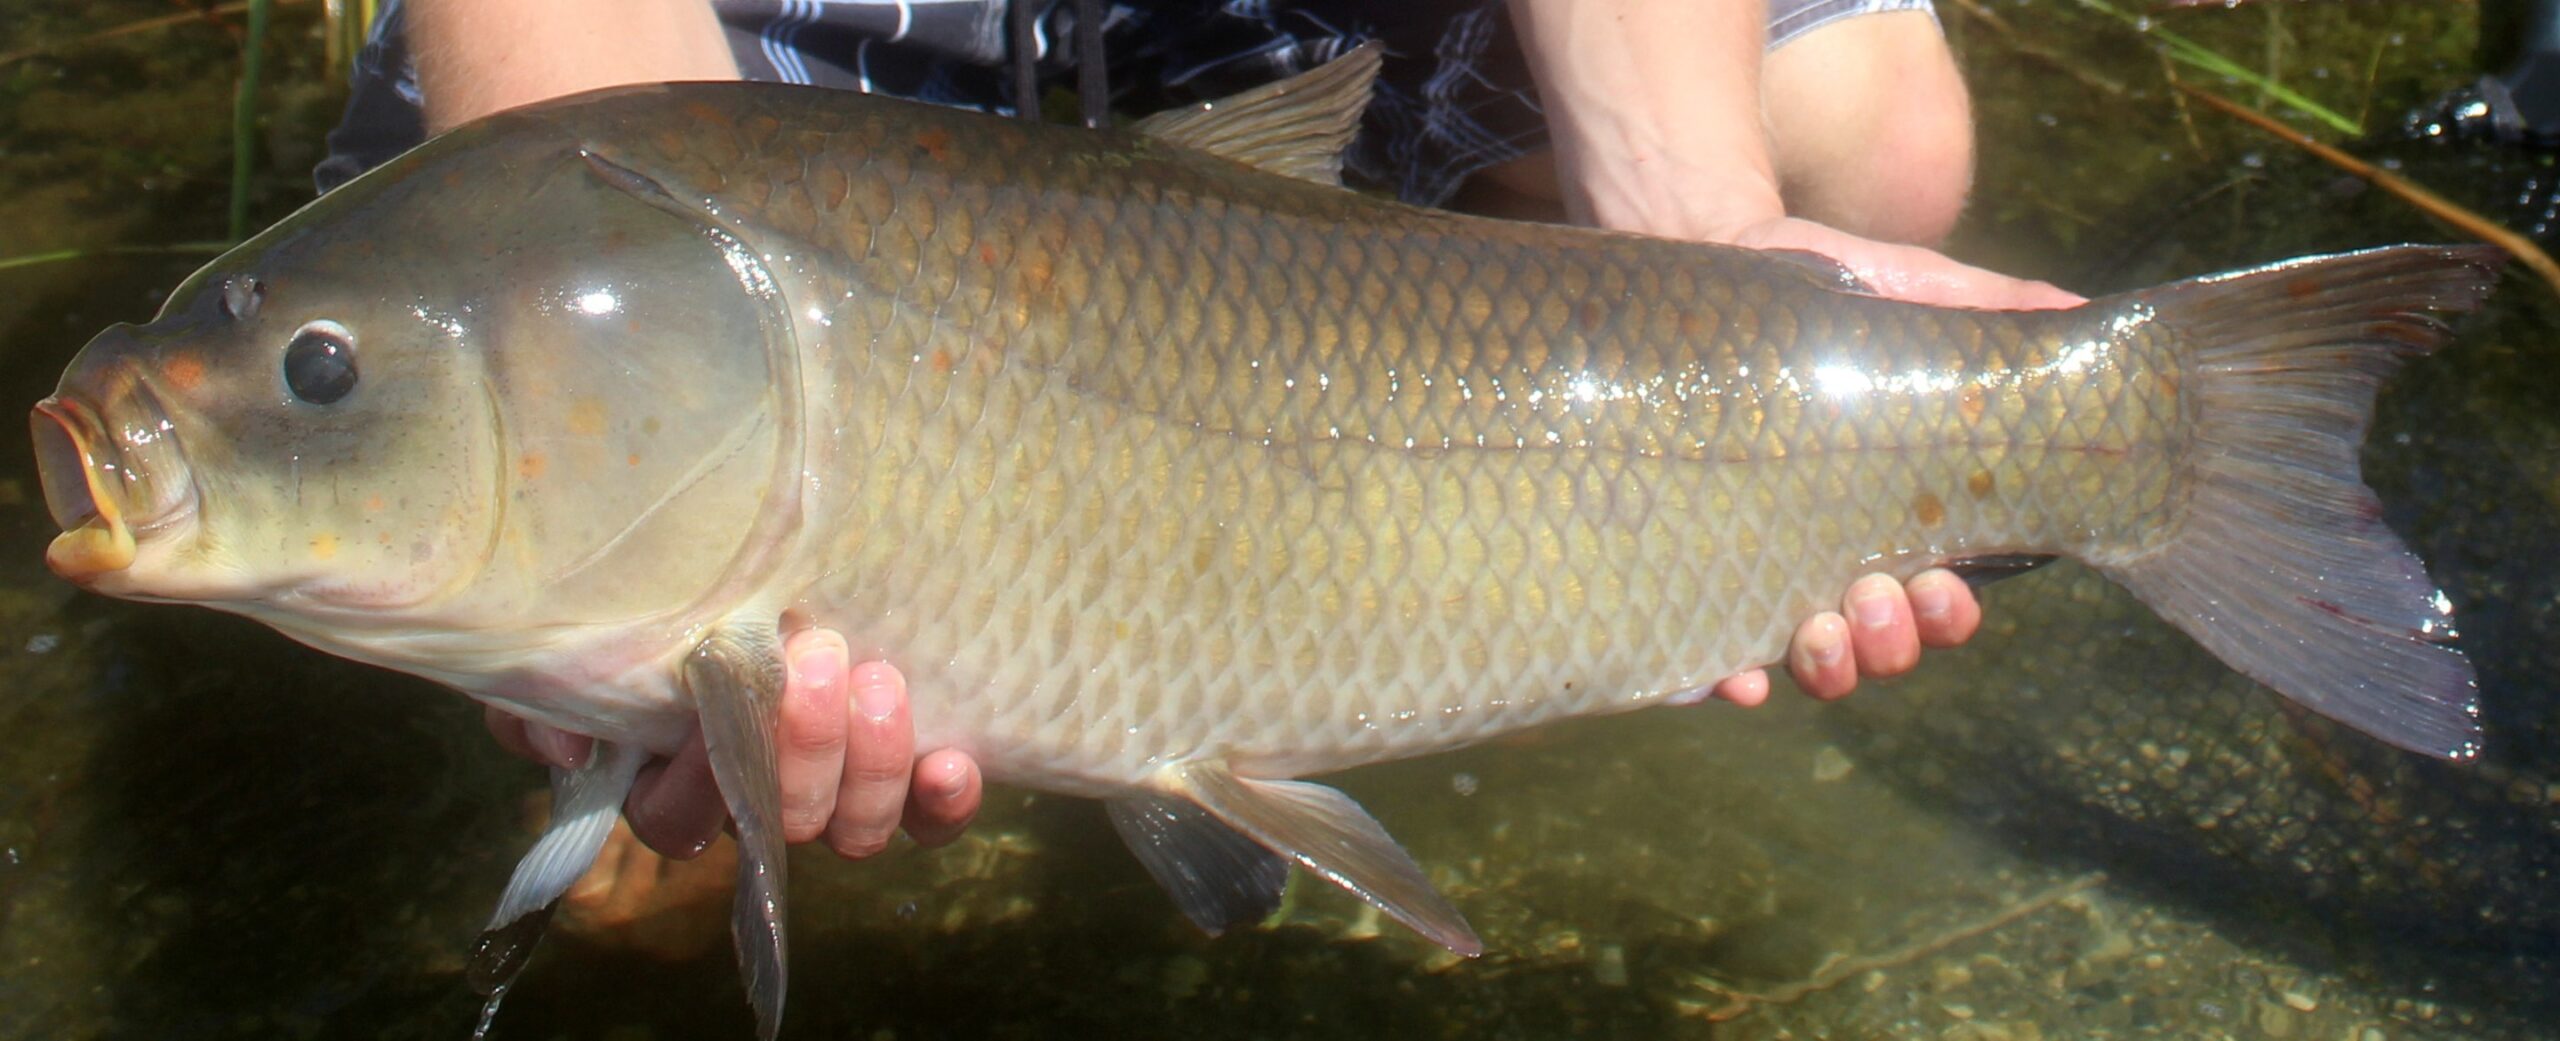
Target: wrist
476,57
1666,198
1655,112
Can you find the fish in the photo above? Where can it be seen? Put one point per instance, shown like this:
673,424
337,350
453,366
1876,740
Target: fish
1169,471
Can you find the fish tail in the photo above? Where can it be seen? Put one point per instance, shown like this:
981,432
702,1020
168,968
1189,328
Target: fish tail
2280,563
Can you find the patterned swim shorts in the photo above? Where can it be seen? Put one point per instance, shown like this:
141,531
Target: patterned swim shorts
1454,94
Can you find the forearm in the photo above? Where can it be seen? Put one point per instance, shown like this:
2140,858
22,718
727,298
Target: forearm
479,56
1654,108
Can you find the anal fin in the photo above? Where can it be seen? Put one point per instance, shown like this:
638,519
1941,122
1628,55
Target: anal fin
1327,833
1218,877
735,676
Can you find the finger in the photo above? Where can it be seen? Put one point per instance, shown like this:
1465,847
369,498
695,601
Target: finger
556,747
879,753
548,745
1745,688
1944,608
813,726
1910,273
944,798
1927,277
508,729
1819,658
675,804
1881,633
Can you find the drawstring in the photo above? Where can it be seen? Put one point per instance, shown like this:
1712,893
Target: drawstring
1026,56
1093,82
1093,78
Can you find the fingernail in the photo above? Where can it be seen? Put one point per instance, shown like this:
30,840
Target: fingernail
1931,600
874,695
1872,605
948,781
1828,647
822,668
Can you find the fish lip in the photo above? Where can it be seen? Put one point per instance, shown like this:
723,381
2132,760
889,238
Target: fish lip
90,482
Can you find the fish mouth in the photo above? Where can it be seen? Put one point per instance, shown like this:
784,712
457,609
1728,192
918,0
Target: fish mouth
107,476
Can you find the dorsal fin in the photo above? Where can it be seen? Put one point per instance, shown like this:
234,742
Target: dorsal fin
1297,127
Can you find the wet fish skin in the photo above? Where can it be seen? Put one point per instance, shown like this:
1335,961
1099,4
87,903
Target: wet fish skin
1245,360
1166,479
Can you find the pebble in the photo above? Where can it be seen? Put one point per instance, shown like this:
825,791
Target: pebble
1609,966
1831,764
1183,975
1364,924
2114,945
1949,977
2275,1020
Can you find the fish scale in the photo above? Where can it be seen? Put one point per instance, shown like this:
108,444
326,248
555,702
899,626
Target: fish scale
1515,473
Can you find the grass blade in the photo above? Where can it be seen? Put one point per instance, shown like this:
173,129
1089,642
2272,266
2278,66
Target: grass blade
244,114
2189,52
60,255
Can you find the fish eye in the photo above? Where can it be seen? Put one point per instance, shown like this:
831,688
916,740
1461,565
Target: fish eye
241,296
320,363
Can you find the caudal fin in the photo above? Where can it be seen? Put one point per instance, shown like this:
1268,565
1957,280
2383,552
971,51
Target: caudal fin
2281,564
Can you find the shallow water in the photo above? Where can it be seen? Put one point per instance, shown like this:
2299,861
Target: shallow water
2079,826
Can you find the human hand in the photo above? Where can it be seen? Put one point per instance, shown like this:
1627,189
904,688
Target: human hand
1914,273
1830,653
848,768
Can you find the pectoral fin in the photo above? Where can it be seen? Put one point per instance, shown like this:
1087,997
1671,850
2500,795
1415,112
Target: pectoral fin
1332,836
1219,878
584,804
736,677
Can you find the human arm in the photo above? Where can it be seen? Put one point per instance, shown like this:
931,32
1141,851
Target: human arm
476,57
1669,119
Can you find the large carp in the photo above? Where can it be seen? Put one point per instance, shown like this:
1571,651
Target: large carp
1166,469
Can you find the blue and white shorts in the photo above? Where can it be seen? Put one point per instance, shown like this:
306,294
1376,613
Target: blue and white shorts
1454,93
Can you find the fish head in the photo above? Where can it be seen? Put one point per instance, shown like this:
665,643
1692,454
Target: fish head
241,448
492,388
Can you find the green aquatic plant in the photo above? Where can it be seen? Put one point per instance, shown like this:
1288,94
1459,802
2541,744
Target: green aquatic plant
2195,55
2461,217
244,114
196,16
60,255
